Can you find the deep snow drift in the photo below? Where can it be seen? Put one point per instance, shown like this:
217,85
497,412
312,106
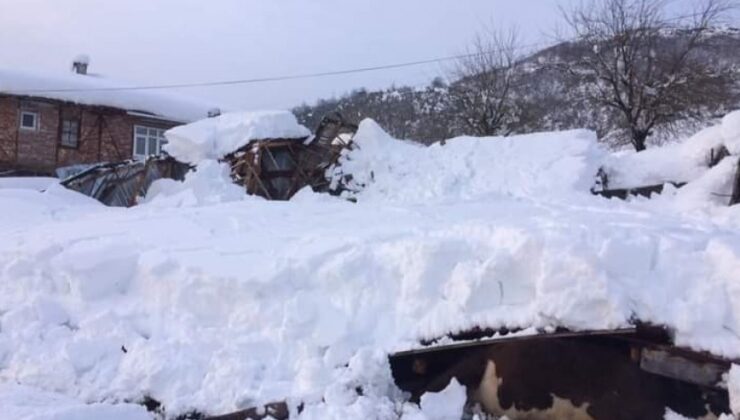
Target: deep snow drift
205,300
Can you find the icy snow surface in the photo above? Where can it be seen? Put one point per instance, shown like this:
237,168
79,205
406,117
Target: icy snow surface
91,90
214,138
208,302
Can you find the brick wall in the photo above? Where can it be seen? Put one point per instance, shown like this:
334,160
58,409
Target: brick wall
106,134
8,132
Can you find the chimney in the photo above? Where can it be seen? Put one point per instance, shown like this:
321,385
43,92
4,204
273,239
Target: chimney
80,64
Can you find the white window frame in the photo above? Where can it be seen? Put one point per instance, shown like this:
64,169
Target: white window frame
36,120
153,134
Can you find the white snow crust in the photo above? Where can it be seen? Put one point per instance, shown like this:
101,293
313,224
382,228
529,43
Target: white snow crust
76,88
214,138
208,302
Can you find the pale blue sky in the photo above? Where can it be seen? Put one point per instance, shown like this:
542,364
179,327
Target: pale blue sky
180,41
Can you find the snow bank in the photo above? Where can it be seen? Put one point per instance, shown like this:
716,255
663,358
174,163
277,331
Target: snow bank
27,183
216,305
733,385
731,132
22,403
214,138
678,162
93,90
209,183
445,405
386,169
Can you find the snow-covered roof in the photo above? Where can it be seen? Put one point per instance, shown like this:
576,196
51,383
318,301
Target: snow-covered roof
214,138
95,90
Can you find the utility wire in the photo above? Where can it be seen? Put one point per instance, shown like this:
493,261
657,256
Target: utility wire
276,78
310,75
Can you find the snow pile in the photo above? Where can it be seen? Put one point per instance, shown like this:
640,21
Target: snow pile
21,403
445,405
731,132
214,138
207,302
93,90
27,183
679,162
733,385
209,183
386,169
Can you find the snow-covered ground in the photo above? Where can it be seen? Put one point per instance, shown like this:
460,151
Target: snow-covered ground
29,183
207,300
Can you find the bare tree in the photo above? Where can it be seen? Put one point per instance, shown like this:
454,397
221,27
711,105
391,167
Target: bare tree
482,97
650,69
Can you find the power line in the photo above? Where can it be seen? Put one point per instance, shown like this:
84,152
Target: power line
307,75
276,78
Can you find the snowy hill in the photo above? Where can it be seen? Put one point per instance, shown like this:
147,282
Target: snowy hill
224,303
549,99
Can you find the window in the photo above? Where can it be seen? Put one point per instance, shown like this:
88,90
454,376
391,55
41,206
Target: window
29,120
148,141
70,133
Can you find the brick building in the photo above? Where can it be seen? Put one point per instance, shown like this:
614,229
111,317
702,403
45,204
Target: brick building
48,122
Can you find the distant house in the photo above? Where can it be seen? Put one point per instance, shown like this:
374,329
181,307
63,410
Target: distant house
53,121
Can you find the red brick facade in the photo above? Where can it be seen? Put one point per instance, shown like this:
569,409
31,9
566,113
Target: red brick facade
105,134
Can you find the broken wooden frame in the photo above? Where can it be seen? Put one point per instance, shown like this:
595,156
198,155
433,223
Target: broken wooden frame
121,184
276,169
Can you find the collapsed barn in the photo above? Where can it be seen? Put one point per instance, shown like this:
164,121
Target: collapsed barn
276,169
273,168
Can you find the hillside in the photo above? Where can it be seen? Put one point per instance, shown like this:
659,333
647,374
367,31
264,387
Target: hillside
547,98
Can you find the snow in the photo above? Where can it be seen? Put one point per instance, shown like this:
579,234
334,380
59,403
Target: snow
207,300
678,162
216,137
445,405
469,167
734,389
731,132
93,90
27,183
209,183
22,403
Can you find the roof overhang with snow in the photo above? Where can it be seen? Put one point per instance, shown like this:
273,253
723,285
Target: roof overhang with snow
95,91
